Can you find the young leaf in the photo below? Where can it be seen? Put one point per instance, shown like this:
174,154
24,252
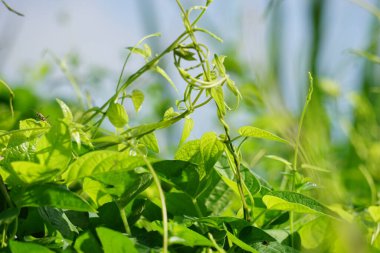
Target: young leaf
211,149
22,247
115,242
137,99
150,141
218,95
117,115
240,243
250,131
166,76
187,127
296,202
67,115
49,195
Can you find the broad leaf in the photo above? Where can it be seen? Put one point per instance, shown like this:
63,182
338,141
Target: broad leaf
374,211
22,247
296,202
49,195
115,242
99,162
250,131
117,115
9,215
58,220
29,172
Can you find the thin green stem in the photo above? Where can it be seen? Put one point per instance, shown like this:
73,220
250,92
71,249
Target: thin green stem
125,220
163,203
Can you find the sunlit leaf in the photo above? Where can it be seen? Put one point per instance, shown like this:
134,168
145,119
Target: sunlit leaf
150,141
296,202
250,131
137,99
67,115
374,211
117,115
115,242
22,247
100,162
187,128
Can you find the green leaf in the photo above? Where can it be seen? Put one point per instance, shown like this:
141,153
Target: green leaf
117,115
184,53
218,95
137,99
9,215
67,115
183,175
58,220
296,202
313,233
99,162
54,148
187,128
211,149
49,195
374,211
29,172
87,242
179,234
240,243
218,61
166,76
22,247
114,242
150,141
250,131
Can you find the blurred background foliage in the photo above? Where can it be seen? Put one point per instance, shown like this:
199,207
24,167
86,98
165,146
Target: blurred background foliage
340,142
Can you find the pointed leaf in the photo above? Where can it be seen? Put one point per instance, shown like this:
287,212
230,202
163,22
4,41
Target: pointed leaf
150,141
115,242
187,127
250,131
296,202
22,247
67,115
137,99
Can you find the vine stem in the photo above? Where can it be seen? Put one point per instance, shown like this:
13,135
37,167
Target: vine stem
163,203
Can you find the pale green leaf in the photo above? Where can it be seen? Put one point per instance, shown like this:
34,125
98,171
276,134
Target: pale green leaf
150,141
296,202
374,211
166,76
187,128
218,96
137,99
117,115
67,115
29,172
250,131
211,149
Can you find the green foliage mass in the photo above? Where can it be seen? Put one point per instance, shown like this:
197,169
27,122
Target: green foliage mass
69,185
